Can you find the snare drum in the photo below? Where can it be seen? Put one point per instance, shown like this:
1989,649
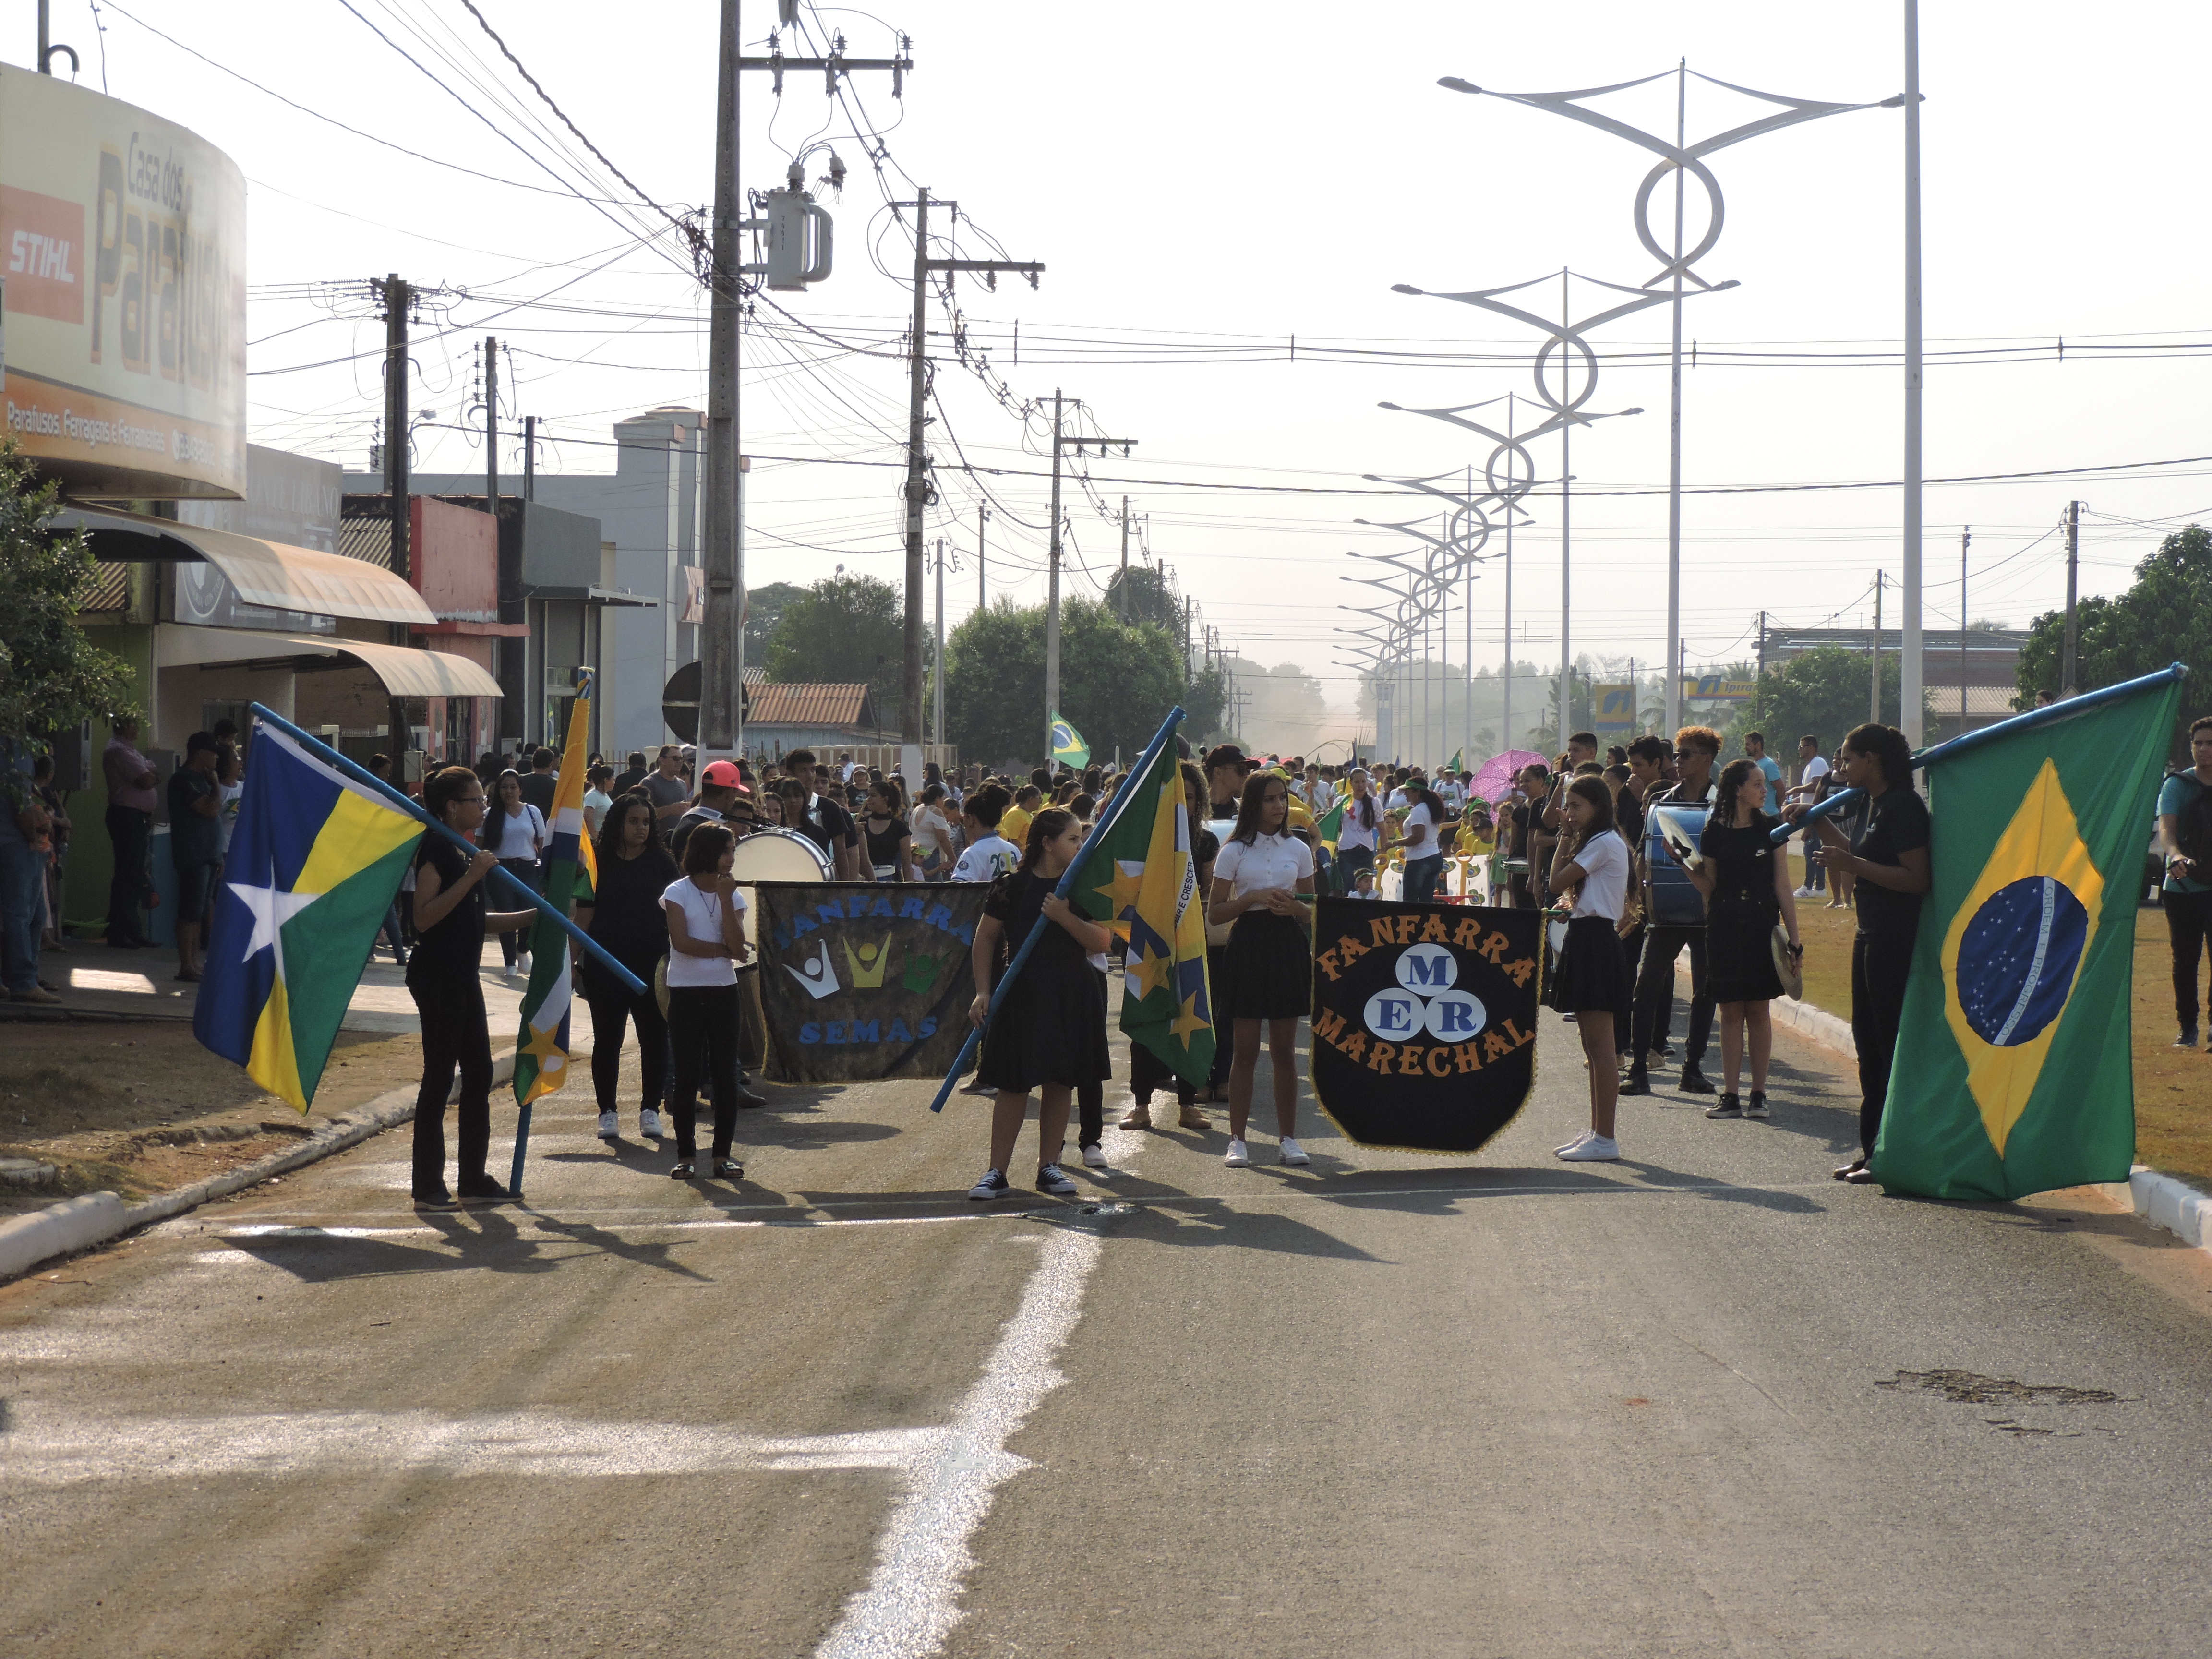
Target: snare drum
774,853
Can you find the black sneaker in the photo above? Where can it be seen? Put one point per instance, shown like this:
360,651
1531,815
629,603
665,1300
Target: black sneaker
2187,1039
749,1097
434,1198
1695,1082
1727,1106
1051,1179
481,1189
1638,1082
993,1185
1756,1106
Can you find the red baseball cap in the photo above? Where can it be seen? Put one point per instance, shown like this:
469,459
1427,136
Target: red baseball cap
723,775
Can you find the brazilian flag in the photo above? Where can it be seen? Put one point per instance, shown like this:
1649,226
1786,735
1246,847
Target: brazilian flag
1068,747
2013,1072
311,869
1142,878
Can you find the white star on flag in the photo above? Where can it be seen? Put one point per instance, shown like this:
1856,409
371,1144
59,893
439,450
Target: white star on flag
272,907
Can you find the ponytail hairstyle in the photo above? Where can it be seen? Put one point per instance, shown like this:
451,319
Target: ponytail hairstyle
1600,797
444,783
1364,803
1887,745
1048,825
1418,794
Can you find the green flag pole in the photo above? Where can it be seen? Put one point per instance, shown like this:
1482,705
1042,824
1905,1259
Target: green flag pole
1122,800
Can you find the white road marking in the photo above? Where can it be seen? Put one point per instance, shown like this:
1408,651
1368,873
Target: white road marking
64,1451
923,1560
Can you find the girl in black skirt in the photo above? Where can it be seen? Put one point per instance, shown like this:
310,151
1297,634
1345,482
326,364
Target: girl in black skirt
1263,879
1590,981
1746,883
1050,1033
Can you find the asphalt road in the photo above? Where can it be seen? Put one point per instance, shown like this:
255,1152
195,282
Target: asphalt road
1706,1400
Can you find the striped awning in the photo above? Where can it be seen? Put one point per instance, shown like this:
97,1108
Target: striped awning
271,574
404,670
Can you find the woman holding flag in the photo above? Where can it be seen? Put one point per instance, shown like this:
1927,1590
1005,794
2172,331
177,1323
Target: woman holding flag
451,920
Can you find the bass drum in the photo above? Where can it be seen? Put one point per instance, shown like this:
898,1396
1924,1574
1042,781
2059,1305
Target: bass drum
774,854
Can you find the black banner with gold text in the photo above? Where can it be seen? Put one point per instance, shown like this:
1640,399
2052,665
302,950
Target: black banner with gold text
1424,1021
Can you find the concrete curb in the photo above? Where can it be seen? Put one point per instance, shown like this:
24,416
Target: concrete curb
96,1218
2174,1205
1816,1024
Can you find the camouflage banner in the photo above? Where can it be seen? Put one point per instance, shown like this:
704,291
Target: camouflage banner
862,980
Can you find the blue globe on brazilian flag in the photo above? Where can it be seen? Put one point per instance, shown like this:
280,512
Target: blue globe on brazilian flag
2014,1072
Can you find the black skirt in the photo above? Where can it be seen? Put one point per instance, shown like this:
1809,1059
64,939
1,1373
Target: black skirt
1740,955
1270,968
1591,977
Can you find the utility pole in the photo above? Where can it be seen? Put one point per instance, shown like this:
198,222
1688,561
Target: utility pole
937,679
982,516
1674,432
530,457
721,735
1909,713
398,298
1875,696
1125,561
2069,676
917,457
491,425
1965,540
1059,443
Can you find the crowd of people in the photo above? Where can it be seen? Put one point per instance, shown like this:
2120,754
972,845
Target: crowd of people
1579,838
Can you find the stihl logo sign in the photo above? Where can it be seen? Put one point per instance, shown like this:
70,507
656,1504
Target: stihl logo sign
42,254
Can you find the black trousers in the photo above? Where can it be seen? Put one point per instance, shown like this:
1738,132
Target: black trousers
455,1035
1632,957
1879,962
1148,1072
612,1009
1216,979
512,944
128,831
2188,925
1655,992
702,1036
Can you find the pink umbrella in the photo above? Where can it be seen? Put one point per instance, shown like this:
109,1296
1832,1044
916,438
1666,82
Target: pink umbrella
1493,779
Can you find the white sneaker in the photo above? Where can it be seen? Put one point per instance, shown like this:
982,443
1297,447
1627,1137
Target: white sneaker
1094,1158
648,1123
1597,1149
1292,1152
1561,1152
1804,892
609,1127
522,961
1238,1157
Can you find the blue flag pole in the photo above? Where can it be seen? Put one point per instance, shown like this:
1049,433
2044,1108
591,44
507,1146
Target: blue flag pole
2049,714
1121,800
414,809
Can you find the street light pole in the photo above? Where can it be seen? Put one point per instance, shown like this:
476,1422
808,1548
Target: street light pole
1909,713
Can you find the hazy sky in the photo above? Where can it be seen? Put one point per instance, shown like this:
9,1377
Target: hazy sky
1204,182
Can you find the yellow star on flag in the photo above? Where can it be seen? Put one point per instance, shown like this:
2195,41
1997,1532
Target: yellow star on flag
1149,973
1188,1021
544,1047
1121,891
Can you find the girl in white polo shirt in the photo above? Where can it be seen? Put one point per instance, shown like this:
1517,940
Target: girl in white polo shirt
1263,878
706,941
1591,980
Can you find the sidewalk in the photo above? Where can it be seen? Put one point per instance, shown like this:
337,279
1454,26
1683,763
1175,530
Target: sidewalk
96,982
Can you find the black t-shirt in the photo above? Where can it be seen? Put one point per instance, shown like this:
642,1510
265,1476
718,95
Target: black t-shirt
454,946
1204,854
626,914
680,832
1016,902
538,788
193,839
1741,862
1628,820
836,824
627,782
883,847
1896,823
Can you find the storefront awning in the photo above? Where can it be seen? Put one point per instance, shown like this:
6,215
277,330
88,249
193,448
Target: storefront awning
405,671
271,574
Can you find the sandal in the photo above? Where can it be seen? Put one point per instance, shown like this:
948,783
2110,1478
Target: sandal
682,1171
728,1168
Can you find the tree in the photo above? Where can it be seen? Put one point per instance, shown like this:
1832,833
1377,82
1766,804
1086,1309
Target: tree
1823,692
1149,600
842,630
52,676
2166,616
1116,683
764,608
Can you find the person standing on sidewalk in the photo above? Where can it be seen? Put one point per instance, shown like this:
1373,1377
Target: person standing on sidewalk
624,915
131,802
1696,748
195,845
2184,835
516,834
1887,856
451,920
1812,785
